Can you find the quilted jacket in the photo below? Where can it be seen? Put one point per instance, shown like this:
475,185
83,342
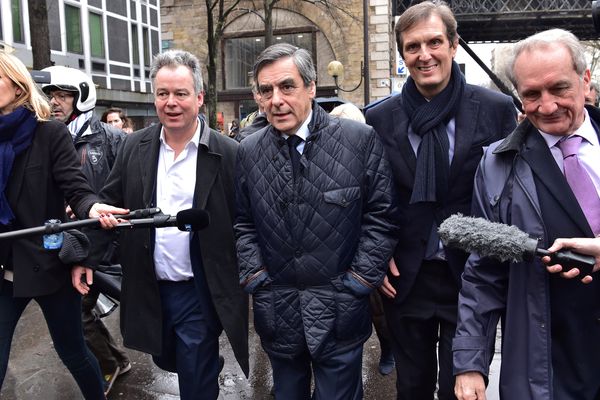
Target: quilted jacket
311,250
98,151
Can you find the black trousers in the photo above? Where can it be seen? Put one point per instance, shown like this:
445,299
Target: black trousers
338,377
97,337
425,320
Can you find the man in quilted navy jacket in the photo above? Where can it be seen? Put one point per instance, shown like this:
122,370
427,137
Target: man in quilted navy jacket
315,227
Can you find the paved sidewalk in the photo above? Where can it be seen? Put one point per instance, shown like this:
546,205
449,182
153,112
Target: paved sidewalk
35,372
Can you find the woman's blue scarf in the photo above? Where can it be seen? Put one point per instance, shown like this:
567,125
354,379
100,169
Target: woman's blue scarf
16,135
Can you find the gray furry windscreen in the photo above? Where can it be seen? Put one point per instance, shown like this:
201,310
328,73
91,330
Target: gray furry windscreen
486,238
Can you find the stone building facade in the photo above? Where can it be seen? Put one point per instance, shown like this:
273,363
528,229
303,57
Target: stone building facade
330,34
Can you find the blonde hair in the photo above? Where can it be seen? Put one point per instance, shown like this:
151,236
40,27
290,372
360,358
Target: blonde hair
31,96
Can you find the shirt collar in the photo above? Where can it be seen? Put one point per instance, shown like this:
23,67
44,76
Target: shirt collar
195,140
586,131
303,131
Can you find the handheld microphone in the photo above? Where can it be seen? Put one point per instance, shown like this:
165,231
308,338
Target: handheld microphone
51,228
505,243
190,220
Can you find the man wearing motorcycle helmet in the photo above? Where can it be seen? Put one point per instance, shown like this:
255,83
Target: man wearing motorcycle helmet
72,96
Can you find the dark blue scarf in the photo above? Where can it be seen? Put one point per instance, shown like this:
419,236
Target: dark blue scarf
428,119
16,135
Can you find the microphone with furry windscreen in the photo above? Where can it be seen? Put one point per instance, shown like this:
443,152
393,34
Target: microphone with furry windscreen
505,243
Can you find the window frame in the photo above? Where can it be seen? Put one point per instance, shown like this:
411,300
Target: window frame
70,29
98,18
225,91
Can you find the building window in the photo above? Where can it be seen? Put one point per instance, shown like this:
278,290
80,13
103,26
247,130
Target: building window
119,39
54,27
241,52
135,51
17,21
73,27
147,49
96,36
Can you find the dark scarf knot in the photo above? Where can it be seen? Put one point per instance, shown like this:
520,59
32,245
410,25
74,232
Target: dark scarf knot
16,135
428,119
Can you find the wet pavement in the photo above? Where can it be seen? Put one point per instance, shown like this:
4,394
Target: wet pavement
35,371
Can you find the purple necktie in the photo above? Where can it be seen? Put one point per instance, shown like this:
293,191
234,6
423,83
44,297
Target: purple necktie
581,184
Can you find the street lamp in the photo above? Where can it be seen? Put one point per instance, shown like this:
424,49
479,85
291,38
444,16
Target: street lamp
335,69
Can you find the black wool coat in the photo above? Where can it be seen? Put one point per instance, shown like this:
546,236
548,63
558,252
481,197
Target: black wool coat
132,184
41,179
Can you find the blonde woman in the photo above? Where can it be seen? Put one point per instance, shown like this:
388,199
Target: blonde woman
39,170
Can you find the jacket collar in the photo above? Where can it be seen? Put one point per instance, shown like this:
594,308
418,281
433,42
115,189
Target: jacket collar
517,138
207,165
320,119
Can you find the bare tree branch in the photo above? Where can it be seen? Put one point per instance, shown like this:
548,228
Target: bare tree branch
593,49
215,27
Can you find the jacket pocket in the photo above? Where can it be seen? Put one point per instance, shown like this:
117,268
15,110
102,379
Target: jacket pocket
342,197
353,317
264,313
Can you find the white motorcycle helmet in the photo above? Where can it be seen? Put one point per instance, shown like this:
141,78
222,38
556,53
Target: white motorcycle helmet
72,80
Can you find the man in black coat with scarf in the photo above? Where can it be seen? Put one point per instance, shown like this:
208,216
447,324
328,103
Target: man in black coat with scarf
434,132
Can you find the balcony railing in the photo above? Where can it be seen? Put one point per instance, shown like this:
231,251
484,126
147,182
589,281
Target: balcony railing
510,20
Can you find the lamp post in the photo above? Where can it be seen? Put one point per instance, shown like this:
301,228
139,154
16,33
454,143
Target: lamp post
365,70
335,69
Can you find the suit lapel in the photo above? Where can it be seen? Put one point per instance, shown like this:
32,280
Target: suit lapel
17,172
464,134
207,169
149,149
543,165
400,130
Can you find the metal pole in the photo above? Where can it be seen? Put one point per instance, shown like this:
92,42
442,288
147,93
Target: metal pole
365,71
503,88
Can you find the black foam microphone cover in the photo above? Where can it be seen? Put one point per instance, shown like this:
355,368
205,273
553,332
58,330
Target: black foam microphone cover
193,219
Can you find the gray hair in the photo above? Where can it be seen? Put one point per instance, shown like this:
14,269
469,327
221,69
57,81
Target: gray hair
302,60
348,111
546,39
175,58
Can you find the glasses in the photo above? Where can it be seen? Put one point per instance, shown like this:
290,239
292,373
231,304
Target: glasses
60,96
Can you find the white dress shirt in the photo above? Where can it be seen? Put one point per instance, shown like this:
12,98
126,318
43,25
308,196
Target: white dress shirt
175,184
302,133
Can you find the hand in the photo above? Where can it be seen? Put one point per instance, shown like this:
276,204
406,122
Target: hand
589,246
70,213
386,288
469,386
77,274
104,213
